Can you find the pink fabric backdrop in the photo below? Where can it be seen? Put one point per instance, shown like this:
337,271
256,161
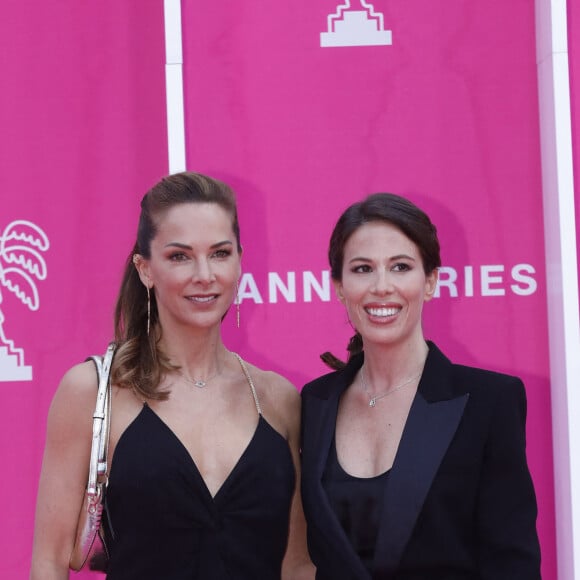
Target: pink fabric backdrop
82,111
447,114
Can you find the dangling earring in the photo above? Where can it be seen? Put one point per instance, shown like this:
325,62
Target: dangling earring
148,309
237,301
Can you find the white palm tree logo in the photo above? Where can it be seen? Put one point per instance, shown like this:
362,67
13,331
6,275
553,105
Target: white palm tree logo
21,262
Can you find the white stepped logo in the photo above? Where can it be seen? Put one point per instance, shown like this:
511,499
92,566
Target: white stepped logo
21,263
360,26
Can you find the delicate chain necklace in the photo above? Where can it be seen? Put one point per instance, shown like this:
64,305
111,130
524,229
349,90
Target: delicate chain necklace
373,400
199,383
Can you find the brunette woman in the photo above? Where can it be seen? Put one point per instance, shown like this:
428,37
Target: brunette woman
413,468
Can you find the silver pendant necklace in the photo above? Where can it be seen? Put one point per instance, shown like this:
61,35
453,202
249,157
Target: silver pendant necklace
199,383
373,400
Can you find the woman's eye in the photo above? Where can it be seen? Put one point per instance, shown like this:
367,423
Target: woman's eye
363,268
401,267
222,253
177,257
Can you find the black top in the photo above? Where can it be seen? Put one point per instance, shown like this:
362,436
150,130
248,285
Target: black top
357,503
168,527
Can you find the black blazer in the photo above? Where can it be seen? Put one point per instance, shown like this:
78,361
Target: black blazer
459,502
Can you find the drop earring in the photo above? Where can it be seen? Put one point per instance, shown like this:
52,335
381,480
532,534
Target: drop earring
148,309
237,305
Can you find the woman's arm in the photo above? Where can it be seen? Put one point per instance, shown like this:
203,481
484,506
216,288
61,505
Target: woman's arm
64,472
508,541
297,564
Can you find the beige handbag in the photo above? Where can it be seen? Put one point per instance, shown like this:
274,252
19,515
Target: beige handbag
90,542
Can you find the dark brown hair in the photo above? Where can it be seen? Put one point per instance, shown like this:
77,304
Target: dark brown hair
139,362
392,209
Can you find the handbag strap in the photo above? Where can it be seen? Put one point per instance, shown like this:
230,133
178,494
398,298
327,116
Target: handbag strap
101,421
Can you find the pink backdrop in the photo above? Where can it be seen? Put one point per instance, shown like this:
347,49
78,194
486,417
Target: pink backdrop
82,111
447,114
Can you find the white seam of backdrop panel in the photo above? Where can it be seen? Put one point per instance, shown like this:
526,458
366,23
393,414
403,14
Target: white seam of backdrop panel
174,86
561,275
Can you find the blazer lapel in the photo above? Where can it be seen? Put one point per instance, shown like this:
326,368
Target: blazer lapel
433,420
322,429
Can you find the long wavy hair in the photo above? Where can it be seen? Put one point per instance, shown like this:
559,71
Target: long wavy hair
140,363
388,208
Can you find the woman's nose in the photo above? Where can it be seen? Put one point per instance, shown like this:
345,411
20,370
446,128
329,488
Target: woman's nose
202,272
383,283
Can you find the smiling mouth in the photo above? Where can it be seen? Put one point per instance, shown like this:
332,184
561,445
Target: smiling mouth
383,311
203,299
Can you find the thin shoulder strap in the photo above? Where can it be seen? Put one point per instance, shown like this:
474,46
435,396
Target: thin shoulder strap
249,378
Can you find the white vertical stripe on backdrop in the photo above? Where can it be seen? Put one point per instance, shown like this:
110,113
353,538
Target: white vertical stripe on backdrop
174,86
562,275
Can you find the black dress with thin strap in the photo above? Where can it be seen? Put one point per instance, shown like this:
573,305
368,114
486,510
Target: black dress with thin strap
166,524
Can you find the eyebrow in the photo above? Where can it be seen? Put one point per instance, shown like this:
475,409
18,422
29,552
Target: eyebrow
188,247
392,258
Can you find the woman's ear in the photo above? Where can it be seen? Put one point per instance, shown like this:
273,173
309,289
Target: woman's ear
338,290
142,266
431,284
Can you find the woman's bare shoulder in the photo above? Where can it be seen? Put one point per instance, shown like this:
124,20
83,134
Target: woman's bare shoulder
279,399
273,383
76,392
